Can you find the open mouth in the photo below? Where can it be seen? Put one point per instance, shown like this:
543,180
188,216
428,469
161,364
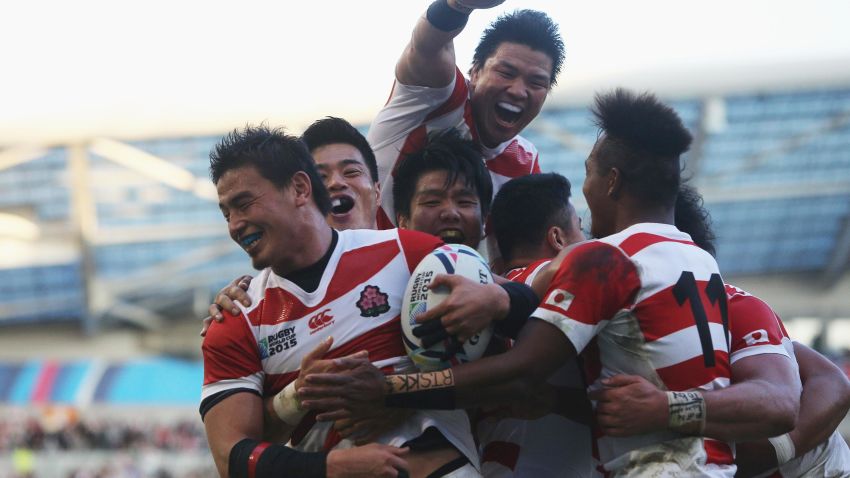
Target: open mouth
341,204
452,236
250,240
507,112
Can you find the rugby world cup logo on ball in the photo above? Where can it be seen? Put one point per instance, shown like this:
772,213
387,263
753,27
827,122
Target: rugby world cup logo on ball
419,297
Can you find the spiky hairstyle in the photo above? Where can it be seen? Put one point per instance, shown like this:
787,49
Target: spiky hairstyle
643,138
526,27
276,155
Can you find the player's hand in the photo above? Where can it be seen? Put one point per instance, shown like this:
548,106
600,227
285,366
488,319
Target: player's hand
368,461
314,362
228,296
469,309
367,429
356,389
629,405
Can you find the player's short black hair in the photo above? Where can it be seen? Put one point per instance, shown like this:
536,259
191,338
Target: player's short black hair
643,138
444,151
692,217
275,154
531,28
332,130
526,207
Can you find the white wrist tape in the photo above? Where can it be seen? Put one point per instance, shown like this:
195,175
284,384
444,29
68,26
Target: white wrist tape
686,412
784,447
287,406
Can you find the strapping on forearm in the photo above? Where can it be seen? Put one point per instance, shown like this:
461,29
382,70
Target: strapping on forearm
686,412
445,18
287,406
428,390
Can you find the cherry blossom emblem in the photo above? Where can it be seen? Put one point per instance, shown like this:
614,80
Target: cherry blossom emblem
372,301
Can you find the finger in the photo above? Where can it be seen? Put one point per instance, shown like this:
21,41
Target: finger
314,392
215,312
224,301
327,404
454,346
349,363
318,352
332,415
244,282
428,328
237,293
326,379
206,326
436,338
620,380
359,357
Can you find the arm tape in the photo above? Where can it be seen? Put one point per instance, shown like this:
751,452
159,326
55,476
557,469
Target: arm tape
254,459
523,303
784,447
445,18
436,399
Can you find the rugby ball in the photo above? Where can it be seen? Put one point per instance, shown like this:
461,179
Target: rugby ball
419,297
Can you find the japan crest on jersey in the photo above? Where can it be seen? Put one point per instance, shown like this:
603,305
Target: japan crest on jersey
560,299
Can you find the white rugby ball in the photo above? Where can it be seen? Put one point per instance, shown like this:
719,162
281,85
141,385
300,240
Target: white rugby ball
418,297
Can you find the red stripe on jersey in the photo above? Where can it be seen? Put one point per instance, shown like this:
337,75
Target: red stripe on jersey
382,342
693,373
753,323
521,274
535,168
470,122
230,350
416,245
355,267
458,96
383,220
513,162
601,279
501,452
719,453
414,141
661,315
641,240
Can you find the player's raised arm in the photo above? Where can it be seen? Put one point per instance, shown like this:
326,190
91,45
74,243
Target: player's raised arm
429,58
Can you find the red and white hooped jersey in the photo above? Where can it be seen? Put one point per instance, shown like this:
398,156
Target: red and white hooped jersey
756,329
655,303
403,124
357,302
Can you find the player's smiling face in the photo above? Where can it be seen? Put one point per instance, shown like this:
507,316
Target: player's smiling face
508,91
259,215
354,196
451,213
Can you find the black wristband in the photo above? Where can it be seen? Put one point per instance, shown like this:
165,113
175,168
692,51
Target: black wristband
443,17
436,399
276,461
523,303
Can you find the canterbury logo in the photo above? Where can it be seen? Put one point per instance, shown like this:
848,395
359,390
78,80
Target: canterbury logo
320,320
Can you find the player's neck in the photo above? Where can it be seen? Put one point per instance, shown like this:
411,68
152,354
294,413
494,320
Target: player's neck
638,214
312,246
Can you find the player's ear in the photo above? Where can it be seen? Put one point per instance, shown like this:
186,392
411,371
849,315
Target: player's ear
402,221
300,183
556,238
615,182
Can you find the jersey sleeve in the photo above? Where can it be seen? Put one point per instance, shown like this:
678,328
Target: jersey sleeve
231,357
754,327
594,282
416,245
